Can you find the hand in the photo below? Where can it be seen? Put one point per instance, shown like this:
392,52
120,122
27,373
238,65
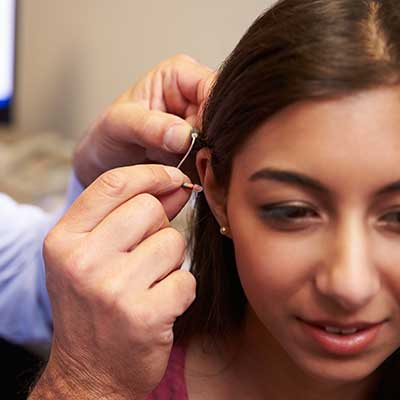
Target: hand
112,268
151,122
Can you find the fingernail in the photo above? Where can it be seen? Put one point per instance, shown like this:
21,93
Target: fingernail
192,186
177,138
175,174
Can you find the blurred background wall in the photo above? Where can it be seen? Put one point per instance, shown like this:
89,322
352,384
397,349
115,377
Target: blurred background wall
76,56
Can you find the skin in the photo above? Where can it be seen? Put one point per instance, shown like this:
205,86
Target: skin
149,122
326,275
112,314
338,261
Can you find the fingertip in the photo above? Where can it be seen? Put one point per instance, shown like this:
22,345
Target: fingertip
194,187
177,138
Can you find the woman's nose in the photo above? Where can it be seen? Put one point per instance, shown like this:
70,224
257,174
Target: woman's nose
348,275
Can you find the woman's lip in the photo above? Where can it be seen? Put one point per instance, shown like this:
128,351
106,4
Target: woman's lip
338,344
340,325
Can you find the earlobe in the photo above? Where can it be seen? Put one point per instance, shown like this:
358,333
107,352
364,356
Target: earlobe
214,192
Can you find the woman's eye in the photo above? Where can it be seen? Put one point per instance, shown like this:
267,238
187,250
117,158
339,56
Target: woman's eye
289,216
391,220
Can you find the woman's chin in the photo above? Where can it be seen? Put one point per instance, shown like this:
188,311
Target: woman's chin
338,371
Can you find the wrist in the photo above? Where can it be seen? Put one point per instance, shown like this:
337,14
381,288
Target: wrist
60,382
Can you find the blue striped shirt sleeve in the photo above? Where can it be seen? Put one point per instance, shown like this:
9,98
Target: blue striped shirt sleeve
25,311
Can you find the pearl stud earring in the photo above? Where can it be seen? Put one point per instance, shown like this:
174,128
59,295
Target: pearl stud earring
223,230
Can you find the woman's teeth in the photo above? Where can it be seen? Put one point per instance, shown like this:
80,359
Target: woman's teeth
332,329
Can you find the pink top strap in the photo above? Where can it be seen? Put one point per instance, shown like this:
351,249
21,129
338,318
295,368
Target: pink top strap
173,385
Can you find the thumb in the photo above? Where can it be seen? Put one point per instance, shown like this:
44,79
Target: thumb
132,123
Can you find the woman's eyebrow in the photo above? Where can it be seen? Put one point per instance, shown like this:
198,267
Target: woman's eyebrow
392,187
290,177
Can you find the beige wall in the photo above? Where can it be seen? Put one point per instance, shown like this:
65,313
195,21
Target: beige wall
75,56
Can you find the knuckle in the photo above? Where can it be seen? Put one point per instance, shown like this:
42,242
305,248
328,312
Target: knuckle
185,287
112,183
50,243
77,261
168,244
148,126
174,236
166,337
143,319
106,121
109,287
107,295
69,269
189,280
179,57
152,175
174,62
56,249
156,174
151,204
174,240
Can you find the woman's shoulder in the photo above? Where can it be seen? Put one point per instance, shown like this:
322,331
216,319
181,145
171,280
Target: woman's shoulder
173,385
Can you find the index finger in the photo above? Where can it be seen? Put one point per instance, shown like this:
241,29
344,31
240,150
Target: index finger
173,86
114,188
195,83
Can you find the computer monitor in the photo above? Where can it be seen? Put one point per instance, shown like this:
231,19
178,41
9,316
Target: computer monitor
7,58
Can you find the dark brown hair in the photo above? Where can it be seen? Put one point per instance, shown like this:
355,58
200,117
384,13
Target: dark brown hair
298,50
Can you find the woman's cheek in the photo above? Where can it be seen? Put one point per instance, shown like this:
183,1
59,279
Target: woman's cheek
275,264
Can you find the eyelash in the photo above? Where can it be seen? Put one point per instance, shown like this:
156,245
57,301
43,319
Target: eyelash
283,217
390,225
289,216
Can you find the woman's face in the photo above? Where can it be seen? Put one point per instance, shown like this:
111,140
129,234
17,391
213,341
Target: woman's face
313,210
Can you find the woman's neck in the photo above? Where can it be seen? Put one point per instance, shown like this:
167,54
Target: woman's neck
254,366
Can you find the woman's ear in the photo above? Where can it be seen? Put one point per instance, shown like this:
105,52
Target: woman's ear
215,193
